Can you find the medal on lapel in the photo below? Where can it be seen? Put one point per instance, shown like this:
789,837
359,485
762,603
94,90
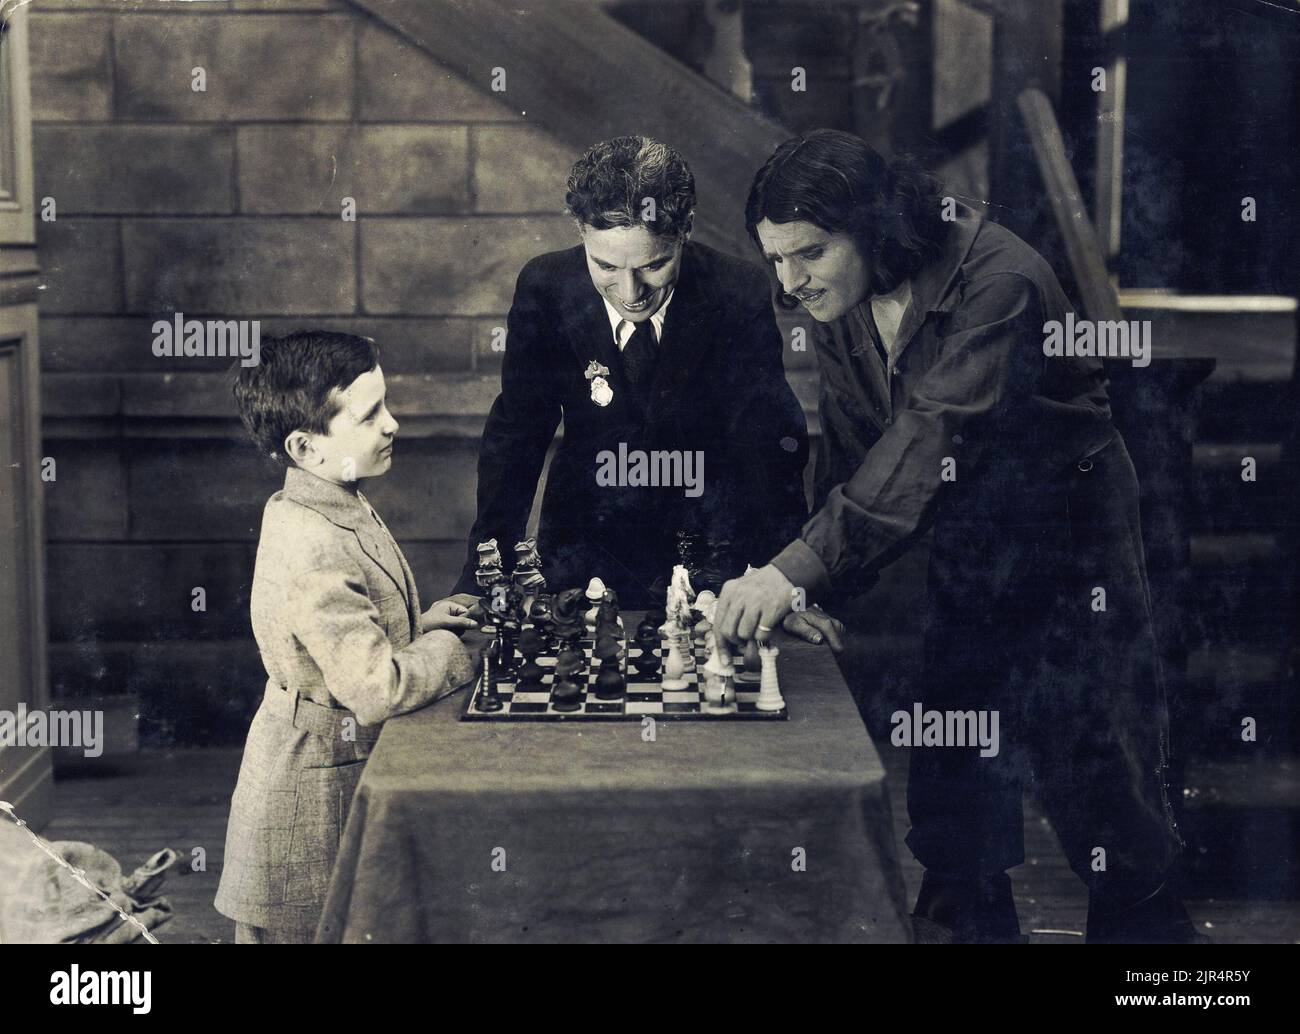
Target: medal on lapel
601,393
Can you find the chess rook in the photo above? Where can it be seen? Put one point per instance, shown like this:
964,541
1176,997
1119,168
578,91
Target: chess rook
769,689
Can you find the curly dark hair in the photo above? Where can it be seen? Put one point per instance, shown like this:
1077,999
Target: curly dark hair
608,187
838,182
289,390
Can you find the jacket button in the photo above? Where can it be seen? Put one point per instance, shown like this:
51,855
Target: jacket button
1085,465
958,439
894,370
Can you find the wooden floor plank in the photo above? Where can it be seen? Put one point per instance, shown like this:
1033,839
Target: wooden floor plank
179,799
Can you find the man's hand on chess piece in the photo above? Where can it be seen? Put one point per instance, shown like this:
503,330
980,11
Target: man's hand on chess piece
448,614
814,625
751,606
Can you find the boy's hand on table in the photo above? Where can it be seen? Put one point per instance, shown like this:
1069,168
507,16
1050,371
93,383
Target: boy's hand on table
448,614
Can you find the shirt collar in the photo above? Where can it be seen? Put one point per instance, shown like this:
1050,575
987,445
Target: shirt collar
340,505
931,285
657,319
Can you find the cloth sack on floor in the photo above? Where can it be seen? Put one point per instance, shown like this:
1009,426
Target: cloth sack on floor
41,902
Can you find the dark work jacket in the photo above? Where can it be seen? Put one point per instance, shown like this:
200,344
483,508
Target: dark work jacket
1043,511
719,388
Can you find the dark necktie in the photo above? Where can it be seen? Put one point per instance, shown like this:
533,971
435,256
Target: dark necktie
639,357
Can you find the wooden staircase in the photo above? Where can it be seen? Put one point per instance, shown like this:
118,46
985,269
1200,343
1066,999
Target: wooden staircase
589,78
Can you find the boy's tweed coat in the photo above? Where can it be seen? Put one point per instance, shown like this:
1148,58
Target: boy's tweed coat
336,616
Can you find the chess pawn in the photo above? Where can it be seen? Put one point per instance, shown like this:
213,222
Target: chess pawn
751,660
769,689
610,684
530,643
719,690
569,662
530,675
647,661
674,666
595,597
608,651
566,695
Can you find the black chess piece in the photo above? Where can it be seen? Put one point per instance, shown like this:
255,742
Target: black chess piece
488,699
610,684
566,614
569,662
647,661
530,643
606,647
566,695
509,635
541,616
530,675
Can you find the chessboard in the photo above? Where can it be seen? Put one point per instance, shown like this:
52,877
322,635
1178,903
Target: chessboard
645,695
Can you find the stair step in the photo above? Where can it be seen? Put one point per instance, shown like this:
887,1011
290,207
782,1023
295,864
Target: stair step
1235,551
1254,782
1224,503
1249,607
1241,821
1250,339
1244,411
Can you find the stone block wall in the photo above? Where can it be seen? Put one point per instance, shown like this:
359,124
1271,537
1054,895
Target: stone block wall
226,203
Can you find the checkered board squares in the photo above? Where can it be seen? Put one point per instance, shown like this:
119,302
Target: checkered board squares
644,696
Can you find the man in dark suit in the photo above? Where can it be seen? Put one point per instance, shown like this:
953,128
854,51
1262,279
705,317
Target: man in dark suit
682,440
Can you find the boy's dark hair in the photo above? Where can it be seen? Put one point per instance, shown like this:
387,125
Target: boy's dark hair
838,182
608,187
289,389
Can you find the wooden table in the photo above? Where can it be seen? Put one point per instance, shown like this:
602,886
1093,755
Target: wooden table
711,831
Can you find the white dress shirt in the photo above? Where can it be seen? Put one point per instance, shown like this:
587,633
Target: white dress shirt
624,329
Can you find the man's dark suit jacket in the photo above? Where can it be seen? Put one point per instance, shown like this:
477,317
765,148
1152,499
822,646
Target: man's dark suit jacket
719,388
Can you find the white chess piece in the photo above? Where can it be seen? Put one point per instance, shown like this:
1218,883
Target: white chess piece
686,646
719,690
674,667
595,594
749,674
769,688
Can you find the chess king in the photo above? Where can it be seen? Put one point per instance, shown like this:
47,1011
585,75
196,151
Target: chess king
939,411
641,337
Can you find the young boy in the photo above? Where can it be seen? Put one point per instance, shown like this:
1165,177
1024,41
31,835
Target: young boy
337,620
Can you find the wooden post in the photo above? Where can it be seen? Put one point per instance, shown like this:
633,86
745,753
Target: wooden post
26,773
1110,131
1058,181
725,63
1027,40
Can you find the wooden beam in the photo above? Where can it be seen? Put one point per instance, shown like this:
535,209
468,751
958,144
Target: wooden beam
1110,132
1081,244
1027,47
